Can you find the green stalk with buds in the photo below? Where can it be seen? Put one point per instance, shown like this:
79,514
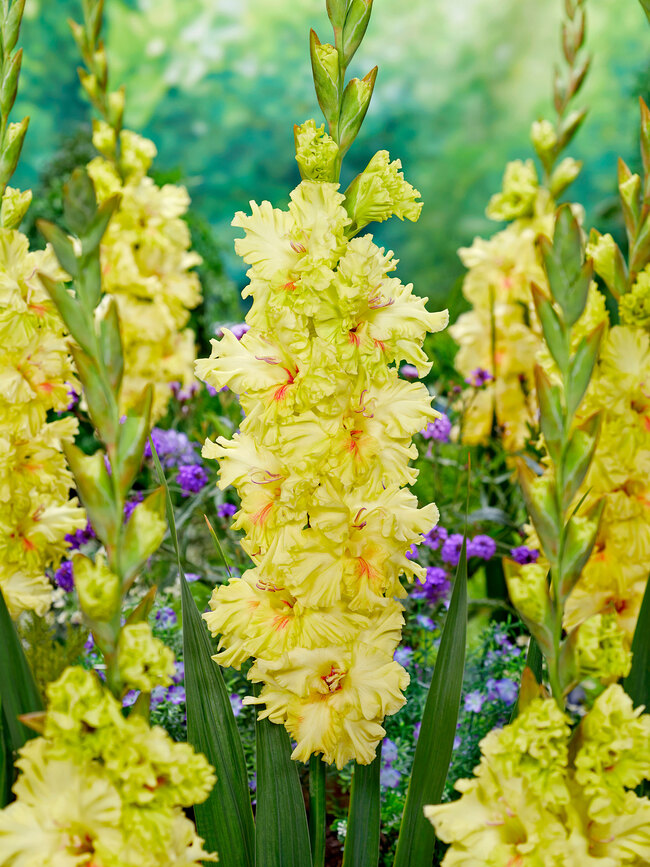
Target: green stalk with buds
567,536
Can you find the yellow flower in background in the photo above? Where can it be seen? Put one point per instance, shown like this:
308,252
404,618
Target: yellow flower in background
36,511
146,266
538,799
322,460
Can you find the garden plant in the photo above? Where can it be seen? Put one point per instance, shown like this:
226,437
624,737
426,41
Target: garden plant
306,577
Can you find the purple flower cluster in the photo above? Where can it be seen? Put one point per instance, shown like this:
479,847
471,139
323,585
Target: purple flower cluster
389,776
451,548
174,694
524,555
435,537
130,504
481,546
64,577
226,510
435,588
191,478
479,377
502,689
438,430
173,448
166,618
80,537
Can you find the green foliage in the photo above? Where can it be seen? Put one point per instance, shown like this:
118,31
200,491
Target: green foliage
49,650
364,822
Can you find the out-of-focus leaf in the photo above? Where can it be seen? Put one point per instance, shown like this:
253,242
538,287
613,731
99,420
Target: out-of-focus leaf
637,683
364,817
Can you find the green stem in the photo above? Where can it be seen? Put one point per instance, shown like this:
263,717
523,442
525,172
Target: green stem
317,811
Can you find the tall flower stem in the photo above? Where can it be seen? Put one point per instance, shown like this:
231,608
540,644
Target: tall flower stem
317,809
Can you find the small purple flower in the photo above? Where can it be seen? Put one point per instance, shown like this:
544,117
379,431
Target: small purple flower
181,395
64,577
130,504
389,777
192,478
479,377
172,447
80,537
212,391
425,622
436,586
90,643
166,618
403,656
130,698
226,510
412,552
176,694
409,371
236,703
192,576
435,537
416,731
438,430
388,750
74,399
158,695
240,329
179,672
474,701
451,548
501,639
482,546
504,689
457,742
523,555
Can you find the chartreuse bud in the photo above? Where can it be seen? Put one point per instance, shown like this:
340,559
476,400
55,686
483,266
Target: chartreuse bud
12,146
98,588
96,491
316,152
528,589
380,192
356,99
580,538
629,187
14,207
143,534
325,68
609,262
564,175
517,198
336,10
144,661
356,24
544,139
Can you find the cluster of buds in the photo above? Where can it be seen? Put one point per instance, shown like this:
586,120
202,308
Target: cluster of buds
321,462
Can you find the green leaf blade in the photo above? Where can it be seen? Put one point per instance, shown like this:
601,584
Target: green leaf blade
637,683
364,817
435,743
282,838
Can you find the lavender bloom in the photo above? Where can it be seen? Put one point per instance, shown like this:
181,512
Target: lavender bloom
130,505
64,577
451,548
90,643
523,555
240,329
457,742
389,777
438,430
226,510
176,694
158,695
435,537
416,732
181,395
130,698
192,576
172,447
474,701
409,371
479,377
388,750
179,672
482,546
425,622
212,391
74,399
236,703
412,552
436,586
166,617
507,690
403,656
191,478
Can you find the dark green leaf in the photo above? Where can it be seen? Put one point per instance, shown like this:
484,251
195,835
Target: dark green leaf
436,740
555,334
317,809
551,414
18,691
5,763
364,817
225,820
637,683
282,838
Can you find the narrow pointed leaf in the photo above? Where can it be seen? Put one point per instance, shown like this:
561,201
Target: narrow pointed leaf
5,765
637,683
317,808
437,733
225,820
18,691
364,818
282,838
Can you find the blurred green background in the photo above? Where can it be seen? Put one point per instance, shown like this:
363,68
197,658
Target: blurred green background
218,85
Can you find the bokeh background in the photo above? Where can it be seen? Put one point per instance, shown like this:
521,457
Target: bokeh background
218,85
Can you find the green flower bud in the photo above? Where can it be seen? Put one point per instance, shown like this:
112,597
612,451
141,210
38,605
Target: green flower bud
519,192
325,69
381,191
634,306
316,152
529,593
144,661
564,175
608,262
14,207
98,588
602,651
544,139
356,99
